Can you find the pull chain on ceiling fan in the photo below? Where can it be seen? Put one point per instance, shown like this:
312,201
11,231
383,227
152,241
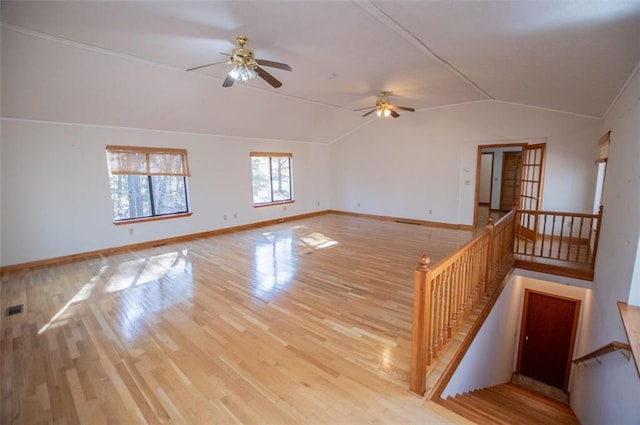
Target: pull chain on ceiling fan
385,109
246,66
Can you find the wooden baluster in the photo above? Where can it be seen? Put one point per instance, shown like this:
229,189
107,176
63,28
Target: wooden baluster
421,345
451,307
439,307
551,234
483,266
489,267
579,243
456,312
469,276
562,226
570,239
475,274
468,279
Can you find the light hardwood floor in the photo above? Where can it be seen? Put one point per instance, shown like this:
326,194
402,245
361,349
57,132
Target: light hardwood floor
305,321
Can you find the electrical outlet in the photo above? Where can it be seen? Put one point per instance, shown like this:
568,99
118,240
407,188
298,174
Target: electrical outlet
131,231
430,211
358,204
225,216
318,203
235,215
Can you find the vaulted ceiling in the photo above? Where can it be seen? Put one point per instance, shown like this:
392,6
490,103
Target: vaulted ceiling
568,56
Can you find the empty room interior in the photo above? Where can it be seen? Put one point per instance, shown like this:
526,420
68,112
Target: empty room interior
346,212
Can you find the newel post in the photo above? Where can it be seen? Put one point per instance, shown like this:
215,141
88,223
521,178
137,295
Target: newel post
489,266
420,340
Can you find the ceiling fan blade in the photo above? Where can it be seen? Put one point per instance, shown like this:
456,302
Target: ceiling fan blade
394,114
273,64
370,112
228,82
362,109
402,108
204,66
268,77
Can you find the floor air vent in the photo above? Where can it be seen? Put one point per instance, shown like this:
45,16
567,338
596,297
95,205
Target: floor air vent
15,309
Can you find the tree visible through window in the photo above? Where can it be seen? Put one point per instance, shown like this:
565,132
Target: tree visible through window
147,182
271,177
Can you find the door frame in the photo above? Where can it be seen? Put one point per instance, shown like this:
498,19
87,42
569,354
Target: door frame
574,331
476,198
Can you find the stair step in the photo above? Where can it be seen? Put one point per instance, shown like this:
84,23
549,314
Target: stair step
507,404
540,387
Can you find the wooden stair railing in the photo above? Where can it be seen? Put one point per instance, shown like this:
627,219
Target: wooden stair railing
605,349
445,294
563,240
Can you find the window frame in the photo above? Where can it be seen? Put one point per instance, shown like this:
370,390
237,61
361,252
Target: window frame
146,168
271,156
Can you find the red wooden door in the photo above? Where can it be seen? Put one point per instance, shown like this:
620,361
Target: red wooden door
546,338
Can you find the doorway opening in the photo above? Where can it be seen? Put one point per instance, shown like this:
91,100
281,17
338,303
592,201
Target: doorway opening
516,173
494,188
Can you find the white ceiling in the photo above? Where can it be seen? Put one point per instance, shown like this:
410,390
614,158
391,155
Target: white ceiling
567,56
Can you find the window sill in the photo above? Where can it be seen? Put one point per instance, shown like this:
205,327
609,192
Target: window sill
271,204
156,218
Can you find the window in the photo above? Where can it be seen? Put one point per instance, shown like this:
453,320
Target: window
603,154
271,176
147,182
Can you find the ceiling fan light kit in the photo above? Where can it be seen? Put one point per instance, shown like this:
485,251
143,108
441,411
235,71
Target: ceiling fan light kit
384,109
383,112
242,74
246,66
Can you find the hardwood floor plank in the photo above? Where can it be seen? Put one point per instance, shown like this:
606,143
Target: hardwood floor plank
300,322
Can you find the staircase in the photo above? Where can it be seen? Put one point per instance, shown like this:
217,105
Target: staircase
509,404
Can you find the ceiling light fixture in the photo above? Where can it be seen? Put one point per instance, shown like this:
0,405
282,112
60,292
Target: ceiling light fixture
246,66
383,111
242,73
244,62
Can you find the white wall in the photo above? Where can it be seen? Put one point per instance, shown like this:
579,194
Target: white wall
634,292
609,393
492,357
56,199
489,359
427,160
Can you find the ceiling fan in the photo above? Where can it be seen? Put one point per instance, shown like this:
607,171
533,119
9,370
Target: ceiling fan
383,108
246,66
